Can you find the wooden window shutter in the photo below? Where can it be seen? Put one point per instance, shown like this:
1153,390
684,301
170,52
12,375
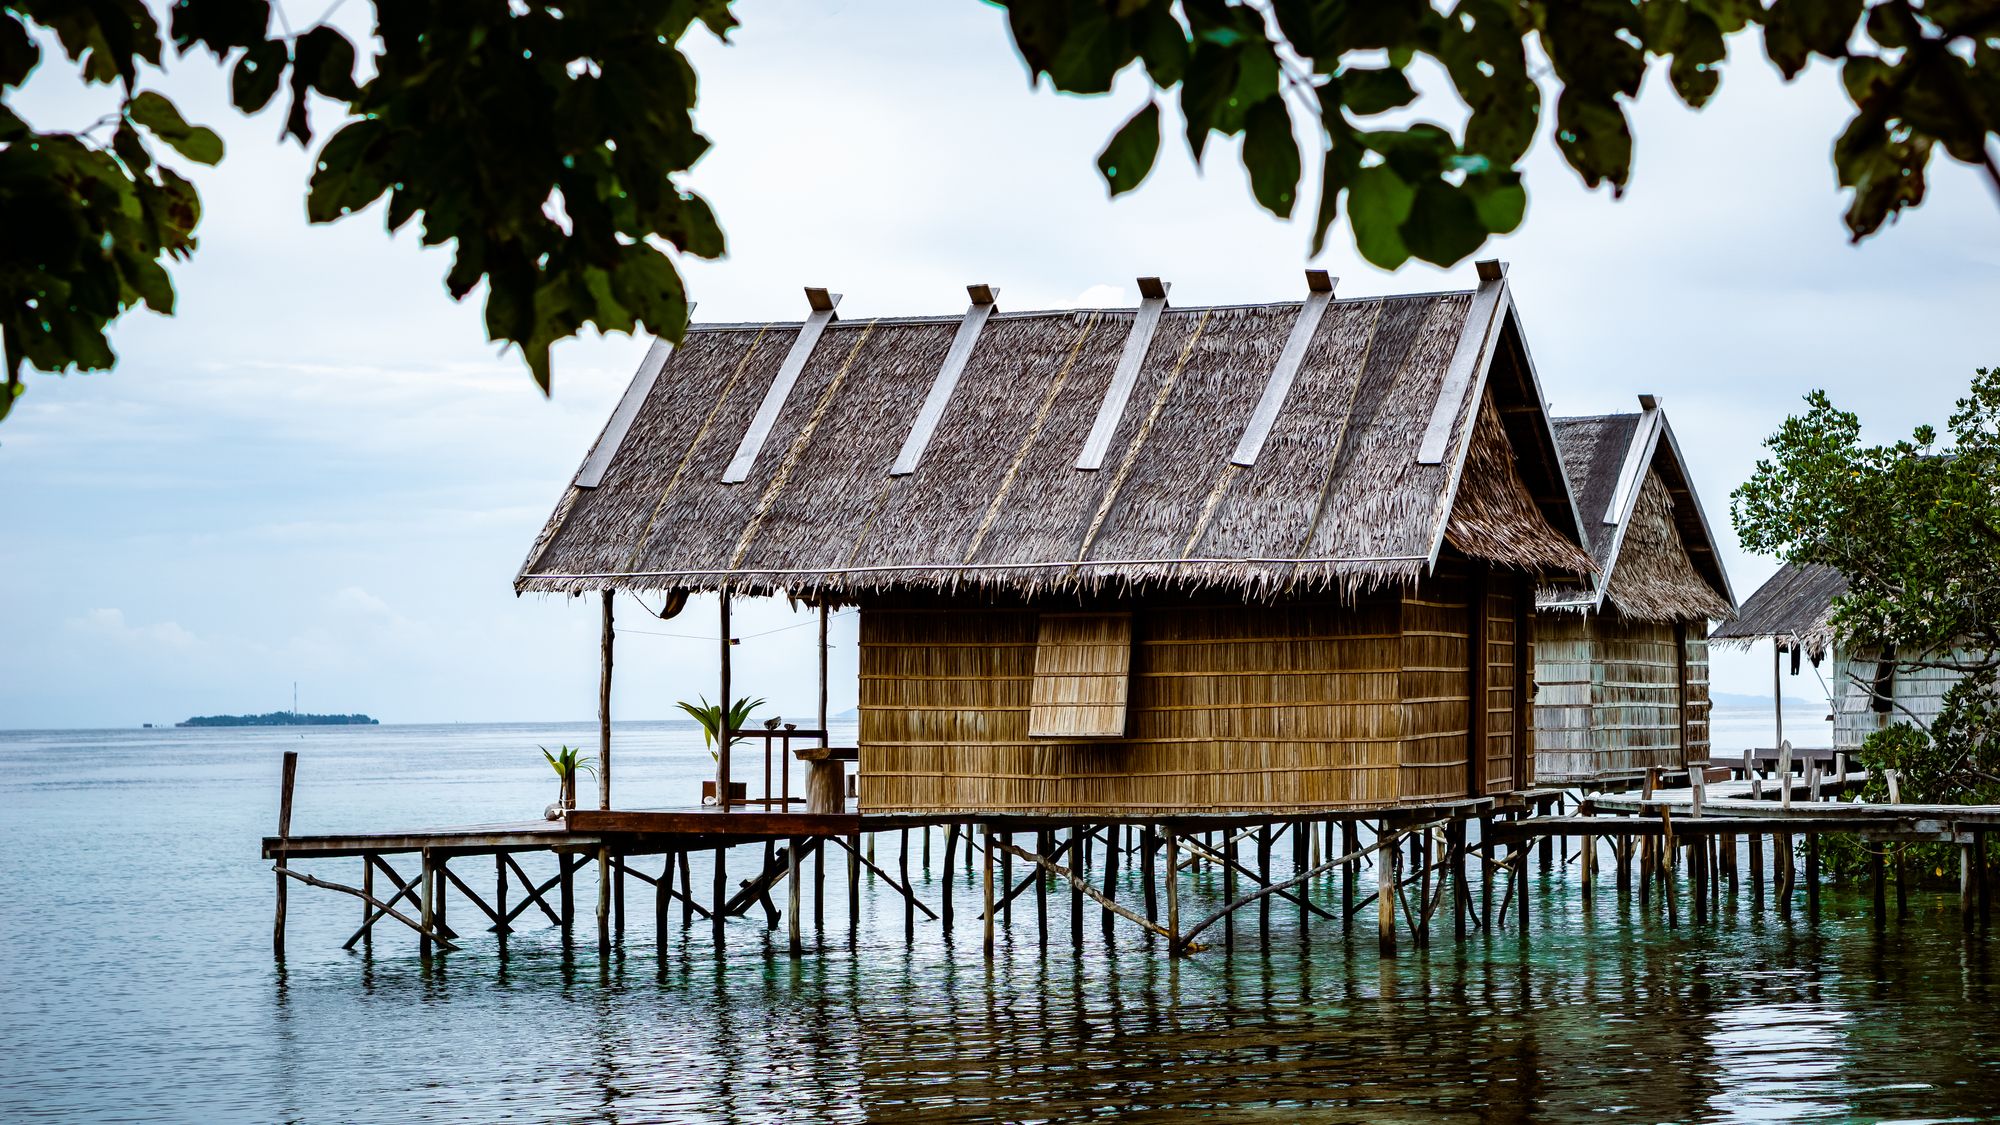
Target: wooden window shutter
1083,675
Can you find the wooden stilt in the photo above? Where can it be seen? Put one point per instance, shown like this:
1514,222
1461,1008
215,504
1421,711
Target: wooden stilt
1350,842
1173,894
1756,870
944,895
1301,846
290,772
1420,930
1812,877
1007,880
720,889
1875,881
426,913
1112,833
367,931
1521,888
1902,882
794,942
1461,902
1080,858
440,879
926,831
1698,878
1264,877
819,891
987,914
1146,874
1229,895
567,874
1044,844
687,889
1783,880
909,900
663,903
603,901
853,889
618,899
1385,895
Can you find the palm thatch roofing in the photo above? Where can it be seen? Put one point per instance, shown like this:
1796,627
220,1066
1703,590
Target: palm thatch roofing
1341,495
1794,606
1655,555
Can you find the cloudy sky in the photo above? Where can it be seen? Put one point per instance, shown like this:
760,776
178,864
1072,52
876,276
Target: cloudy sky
320,472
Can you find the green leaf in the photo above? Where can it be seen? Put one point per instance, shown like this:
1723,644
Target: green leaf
254,80
1368,90
1338,165
159,117
1377,204
1211,76
1128,159
1693,70
1500,199
219,25
1271,156
326,58
1444,226
1593,136
1162,44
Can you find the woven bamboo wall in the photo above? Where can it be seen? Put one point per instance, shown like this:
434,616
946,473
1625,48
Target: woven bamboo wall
1697,700
1300,706
1565,665
1503,604
1437,688
1608,699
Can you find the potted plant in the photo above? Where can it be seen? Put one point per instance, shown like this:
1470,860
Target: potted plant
566,760
709,715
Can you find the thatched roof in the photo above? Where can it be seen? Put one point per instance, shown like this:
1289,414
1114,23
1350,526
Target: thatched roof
1651,542
1340,496
1795,606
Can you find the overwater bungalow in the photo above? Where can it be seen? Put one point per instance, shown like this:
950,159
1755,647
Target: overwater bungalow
1867,687
1123,563
1621,662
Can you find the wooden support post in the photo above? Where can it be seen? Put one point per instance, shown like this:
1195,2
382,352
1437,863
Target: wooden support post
603,901
819,890
724,735
1301,846
1698,878
1007,880
687,888
1756,870
663,903
367,932
1461,898
720,889
500,899
1350,842
1521,887
1264,877
425,914
1385,894
1112,833
618,899
1146,875
1812,877
1902,882
1044,844
1875,881
604,713
1229,894
1783,879
439,878
987,914
1173,894
290,772
950,849
1079,859
1587,861
1979,877
794,942
853,888
1622,851
926,831
909,897
1967,909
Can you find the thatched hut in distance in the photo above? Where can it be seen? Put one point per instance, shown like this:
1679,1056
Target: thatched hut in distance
1135,562
1868,689
1621,664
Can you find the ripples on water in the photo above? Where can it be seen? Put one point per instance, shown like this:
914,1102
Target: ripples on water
139,982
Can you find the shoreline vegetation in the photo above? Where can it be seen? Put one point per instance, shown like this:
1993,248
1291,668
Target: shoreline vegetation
280,719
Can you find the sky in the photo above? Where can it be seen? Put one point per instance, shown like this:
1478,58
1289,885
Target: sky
318,472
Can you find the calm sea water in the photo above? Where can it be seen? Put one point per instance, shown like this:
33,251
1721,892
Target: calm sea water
139,985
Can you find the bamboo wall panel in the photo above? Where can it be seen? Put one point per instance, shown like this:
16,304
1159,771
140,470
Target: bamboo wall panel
1083,673
1697,702
1564,660
1608,697
1502,602
1437,690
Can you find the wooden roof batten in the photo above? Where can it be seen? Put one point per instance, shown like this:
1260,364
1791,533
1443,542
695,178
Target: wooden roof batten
1319,294
822,304
985,301
1152,302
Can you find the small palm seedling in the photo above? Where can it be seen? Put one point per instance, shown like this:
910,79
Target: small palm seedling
709,715
566,760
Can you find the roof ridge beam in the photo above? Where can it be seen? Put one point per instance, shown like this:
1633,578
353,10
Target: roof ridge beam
592,473
985,300
1638,454
1152,302
1482,325
1319,294
823,304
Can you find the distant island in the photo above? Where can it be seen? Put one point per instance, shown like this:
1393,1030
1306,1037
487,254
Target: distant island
279,719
